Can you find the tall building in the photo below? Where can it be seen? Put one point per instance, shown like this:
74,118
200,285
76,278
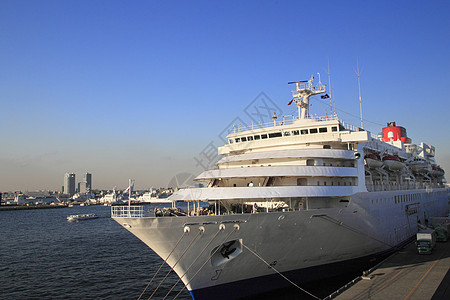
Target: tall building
88,181
69,184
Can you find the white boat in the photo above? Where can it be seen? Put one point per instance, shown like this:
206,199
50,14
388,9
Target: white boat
393,162
339,215
111,198
81,217
150,197
373,160
420,166
437,171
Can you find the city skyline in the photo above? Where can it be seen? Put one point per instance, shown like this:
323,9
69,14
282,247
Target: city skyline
146,90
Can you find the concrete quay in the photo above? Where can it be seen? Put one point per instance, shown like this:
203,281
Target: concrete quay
406,275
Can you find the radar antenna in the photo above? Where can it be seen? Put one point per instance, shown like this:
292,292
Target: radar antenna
304,90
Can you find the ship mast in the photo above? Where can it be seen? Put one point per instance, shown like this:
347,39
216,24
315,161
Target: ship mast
304,90
359,89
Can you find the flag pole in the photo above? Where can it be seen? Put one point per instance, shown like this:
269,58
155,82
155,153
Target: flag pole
129,198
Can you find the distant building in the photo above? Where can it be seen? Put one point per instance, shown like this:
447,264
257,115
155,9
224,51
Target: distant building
69,184
88,182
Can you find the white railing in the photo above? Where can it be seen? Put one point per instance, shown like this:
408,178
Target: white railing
286,120
129,212
350,126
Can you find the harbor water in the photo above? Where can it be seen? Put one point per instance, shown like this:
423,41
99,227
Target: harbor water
45,257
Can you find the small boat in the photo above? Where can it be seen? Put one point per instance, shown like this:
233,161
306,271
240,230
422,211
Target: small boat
373,160
420,166
82,217
393,162
437,171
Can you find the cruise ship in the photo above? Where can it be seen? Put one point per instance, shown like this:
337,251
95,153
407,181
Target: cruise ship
295,201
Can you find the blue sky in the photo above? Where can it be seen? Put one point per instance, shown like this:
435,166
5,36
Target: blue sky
138,89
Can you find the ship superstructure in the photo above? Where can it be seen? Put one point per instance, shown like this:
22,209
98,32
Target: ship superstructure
295,200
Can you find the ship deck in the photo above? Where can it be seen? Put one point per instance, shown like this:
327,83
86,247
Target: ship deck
406,275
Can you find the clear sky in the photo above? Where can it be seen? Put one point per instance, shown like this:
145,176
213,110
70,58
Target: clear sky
140,89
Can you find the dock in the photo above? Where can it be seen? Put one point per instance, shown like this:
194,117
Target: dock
25,207
405,275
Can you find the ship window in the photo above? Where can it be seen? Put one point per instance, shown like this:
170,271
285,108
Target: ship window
231,141
249,138
257,137
341,128
295,132
264,136
301,181
318,182
313,130
323,129
287,133
326,147
304,131
310,162
244,139
334,128
274,134
238,140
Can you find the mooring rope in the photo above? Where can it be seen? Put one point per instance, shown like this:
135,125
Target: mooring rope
337,222
198,256
184,252
279,273
217,249
176,245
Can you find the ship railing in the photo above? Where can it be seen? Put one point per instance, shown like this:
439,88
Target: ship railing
309,86
350,127
135,211
286,120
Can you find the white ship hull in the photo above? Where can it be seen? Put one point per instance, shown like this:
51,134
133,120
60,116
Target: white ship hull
297,243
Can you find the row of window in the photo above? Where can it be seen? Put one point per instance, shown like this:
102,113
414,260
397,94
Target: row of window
284,133
398,199
303,181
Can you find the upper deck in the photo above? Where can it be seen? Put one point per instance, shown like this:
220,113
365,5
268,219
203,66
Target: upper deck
292,132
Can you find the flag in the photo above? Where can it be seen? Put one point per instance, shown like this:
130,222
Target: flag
325,96
129,188
290,102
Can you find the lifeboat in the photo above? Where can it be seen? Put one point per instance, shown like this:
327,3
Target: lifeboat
420,166
393,162
437,171
373,160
